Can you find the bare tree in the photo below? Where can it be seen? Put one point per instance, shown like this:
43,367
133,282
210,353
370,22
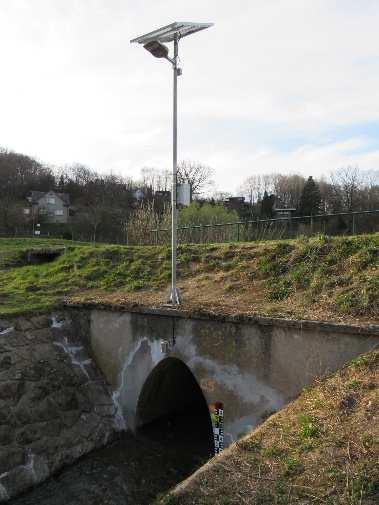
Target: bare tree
329,200
220,196
155,179
199,176
255,186
347,183
371,189
143,221
288,189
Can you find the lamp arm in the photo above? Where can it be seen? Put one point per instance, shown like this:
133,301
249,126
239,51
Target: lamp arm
171,60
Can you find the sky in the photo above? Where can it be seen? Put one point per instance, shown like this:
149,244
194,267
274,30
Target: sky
288,86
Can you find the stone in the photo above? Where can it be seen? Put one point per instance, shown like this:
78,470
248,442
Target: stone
65,399
6,362
45,446
5,413
42,321
42,335
42,352
4,496
71,417
4,348
45,410
84,403
5,324
17,339
17,481
39,391
6,434
53,428
11,390
35,372
77,451
97,393
10,457
22,413
40,468
105,410
86,425
69,454
23,324
30,433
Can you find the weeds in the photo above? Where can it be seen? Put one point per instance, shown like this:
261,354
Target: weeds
308,427
292,466
272,452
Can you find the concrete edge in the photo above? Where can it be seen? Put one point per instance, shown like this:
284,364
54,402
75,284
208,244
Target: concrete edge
166,311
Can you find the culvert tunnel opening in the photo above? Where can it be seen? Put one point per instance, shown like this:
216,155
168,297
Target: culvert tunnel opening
172,410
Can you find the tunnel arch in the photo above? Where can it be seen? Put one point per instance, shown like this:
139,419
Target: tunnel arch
172,396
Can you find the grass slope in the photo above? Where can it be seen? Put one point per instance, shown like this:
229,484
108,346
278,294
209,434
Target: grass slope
321,449
315,278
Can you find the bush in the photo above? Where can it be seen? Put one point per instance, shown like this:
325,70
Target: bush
196,214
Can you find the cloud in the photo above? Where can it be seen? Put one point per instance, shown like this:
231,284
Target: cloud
274,85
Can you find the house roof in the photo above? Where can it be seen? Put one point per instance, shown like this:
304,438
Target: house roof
35,196
65,197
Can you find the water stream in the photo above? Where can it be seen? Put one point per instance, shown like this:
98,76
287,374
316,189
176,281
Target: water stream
134,470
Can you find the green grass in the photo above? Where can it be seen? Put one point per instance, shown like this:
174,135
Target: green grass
341,273
81,267
321,265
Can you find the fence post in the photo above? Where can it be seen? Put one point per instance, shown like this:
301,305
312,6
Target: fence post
353,224
290,227
312,225
238,232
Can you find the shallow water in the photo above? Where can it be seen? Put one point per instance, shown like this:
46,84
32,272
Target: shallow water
134,470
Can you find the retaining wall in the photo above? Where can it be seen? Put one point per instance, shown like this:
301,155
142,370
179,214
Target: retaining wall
55,405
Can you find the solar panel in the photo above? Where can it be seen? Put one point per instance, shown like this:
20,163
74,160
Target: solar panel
168,33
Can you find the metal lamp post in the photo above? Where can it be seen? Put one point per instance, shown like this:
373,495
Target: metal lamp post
152,42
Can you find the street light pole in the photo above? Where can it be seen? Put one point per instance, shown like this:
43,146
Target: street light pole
152,42
174,297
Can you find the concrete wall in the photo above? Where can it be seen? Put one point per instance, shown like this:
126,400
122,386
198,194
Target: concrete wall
55,405
252,366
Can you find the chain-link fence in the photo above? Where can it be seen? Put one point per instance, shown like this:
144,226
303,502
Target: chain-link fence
340,223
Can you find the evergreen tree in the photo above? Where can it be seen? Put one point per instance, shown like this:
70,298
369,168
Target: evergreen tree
267,205
310,200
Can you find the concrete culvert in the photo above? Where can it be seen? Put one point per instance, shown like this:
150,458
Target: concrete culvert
172,409
37,256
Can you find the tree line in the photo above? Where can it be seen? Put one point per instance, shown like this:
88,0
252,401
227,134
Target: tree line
348,189
109,207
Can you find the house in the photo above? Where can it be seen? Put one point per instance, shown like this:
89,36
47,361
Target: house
238,204
285,212
281,210
51,206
